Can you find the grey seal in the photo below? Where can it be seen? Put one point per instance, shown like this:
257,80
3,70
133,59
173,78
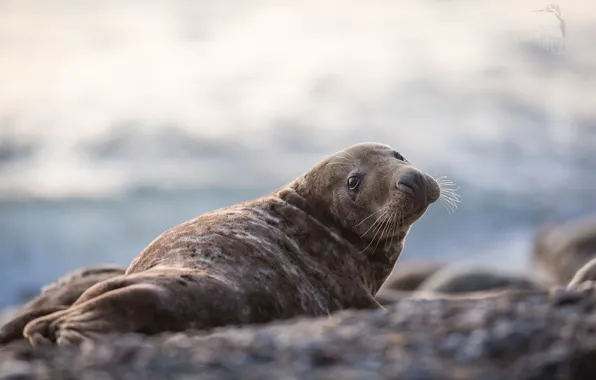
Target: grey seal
327,241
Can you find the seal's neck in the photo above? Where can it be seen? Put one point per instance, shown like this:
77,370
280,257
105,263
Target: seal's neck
377,258
291,195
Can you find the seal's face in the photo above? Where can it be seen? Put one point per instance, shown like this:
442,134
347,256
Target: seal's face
372,190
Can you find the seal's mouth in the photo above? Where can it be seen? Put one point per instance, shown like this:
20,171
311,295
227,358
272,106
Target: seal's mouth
398,222
415,214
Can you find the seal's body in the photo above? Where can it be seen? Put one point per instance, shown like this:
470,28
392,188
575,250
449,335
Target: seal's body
409,275
471,277
561,251
584,274
326,241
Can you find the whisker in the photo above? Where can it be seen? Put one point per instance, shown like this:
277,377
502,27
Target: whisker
338,162
450,194
346,156
449,187
450,200
376,221
393,221
377,231
448,207
381,209
449,204
343,159
444,180
449,197
373,227
382,233
348,153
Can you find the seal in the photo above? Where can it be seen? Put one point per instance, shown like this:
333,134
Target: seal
57,296
584,274
453,281
467,277
409,275
560,251
325,242
388,296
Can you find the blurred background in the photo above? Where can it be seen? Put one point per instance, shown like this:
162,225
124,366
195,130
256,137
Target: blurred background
120,119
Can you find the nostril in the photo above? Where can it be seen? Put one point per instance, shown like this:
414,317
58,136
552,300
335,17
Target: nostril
406,187
410,183
417,178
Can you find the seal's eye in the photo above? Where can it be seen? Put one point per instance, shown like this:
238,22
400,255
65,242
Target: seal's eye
353,182
398,156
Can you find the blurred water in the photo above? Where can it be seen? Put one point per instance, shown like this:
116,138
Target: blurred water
119,120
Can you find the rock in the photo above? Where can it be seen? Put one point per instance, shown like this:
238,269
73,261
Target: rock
515,335
560,251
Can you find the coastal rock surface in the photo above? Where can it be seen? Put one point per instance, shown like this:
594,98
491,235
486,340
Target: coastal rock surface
513,335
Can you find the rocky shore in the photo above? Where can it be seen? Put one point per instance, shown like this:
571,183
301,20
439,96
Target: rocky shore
514,335
442,321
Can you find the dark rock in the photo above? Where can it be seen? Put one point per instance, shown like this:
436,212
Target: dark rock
515,335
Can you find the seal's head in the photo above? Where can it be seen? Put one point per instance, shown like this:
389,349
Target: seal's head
370,190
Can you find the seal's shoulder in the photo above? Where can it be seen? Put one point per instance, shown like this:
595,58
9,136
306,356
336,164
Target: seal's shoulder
209,238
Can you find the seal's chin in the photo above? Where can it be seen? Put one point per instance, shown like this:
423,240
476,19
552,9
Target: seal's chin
402,222
412,216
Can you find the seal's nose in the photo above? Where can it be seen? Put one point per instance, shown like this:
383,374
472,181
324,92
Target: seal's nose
413,184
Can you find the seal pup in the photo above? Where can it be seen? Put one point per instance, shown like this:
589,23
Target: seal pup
560,251
57,296
325,242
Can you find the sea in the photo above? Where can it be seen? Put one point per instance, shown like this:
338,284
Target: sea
119,120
